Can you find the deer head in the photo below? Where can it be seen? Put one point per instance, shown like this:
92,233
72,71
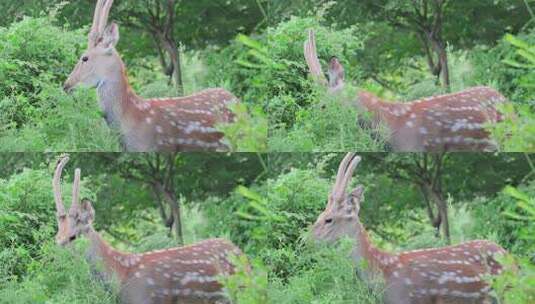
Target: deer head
335,83
79,220
340,217
336,75
452,274
100,60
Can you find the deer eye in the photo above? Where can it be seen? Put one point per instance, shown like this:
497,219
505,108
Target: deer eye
85,59
329,220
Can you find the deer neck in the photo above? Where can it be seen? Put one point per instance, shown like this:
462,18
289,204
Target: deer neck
117,99
386,112
106,262
366,253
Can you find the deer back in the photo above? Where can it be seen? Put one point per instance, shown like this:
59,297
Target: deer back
453,274
180,124
188,274
452,122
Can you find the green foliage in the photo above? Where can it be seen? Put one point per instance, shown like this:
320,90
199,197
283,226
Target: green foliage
27,219
291,82
303,117
523,212
230,68
516,284
330,125
58,276
35,114
524,60
516,131
249,131
325,275
508,215
246,285
507,66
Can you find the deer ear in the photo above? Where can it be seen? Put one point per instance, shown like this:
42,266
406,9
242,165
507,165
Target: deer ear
358,193
111,36
87,213
336,73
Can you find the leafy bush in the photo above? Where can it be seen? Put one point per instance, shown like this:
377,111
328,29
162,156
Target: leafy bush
326,275
516,284
516,131
249,132
330,125
58,276
247,285
228,68
504,66
27,219
286,48
35,113
514,232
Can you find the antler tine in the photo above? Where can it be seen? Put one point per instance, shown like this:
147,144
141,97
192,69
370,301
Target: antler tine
76,189
104,15
339,188
349,172
311,57
95,31
56,185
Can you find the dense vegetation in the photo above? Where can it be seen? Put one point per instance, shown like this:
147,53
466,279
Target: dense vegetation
265,205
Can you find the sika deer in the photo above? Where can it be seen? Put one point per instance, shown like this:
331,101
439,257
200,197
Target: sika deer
451,274
452,122
164,124
188,274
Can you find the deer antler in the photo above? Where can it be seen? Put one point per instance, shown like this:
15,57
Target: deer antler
100,19
311,57
349,172
76,190
345,171
56,185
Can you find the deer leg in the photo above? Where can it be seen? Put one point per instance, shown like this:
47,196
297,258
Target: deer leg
134,292
397,294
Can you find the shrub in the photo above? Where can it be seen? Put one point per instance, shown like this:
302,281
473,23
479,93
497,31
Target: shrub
248,133
511,233
58,276
326,275
27,219
329,125
493,65
516,284
228,68
286,47
35,114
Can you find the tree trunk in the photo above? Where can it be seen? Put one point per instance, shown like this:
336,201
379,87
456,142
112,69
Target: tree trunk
178,222
174,54
168,221
174,205
440,50
442,208
435,220
167,69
